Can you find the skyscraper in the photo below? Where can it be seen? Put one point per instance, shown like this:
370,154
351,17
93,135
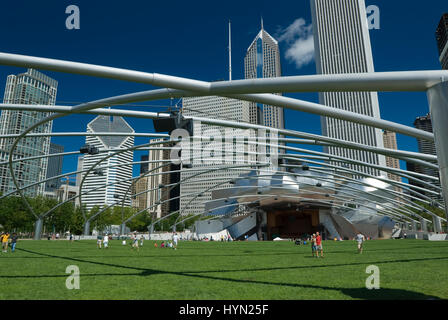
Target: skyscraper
140,187
390,142
31,87
155,188
193,189
428,147
342,45
424,146
115,189
140,194
424,123
262,60
144,166
79,168
442,41
54,168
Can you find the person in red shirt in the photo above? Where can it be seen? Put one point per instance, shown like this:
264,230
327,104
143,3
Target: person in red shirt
319,245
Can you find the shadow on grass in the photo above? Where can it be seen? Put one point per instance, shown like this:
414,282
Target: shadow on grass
144,255
244,254
386,249
355,293
386,294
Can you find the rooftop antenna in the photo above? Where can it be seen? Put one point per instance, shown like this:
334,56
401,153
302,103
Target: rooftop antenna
230,52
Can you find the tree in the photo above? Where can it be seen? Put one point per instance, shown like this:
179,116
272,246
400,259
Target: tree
140,223
436,210
62,217
14,216
76,225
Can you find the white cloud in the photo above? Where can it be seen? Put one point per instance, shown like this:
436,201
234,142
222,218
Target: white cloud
300,43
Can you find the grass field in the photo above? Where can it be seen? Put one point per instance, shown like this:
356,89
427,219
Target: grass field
409,269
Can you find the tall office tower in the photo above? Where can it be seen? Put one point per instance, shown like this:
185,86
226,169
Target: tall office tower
79,168
424,146
110,174
193,189
428,147
262,60
162,176
31,87
54,168
140,194
342,45
156,191
390,142
144,166
442,41
140,187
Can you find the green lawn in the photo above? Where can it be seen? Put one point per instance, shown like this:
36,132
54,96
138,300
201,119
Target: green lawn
409,269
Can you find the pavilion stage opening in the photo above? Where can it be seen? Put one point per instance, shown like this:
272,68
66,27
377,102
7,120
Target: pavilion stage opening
291,223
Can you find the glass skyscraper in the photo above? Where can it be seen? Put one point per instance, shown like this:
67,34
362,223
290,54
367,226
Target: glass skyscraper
427,147
262,60
342,45
54,168
31,87
442,40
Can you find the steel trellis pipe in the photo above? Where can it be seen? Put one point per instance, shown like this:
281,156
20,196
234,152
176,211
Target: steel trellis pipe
405,155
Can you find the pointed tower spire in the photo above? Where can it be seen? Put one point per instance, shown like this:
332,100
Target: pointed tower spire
262,23
230,52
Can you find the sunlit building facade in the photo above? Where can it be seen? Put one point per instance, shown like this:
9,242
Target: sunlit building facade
442,41
262,60
342,45
109,181
31,87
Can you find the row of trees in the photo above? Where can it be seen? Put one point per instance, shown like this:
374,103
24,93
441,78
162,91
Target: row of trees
14,217
437,211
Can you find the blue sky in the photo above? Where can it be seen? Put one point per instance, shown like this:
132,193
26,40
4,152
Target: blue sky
189,39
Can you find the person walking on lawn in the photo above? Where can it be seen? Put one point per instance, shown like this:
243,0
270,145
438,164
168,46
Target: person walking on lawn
319,245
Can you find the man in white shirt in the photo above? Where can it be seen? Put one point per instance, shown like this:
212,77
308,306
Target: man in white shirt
175,239
106,241
360,239
134,240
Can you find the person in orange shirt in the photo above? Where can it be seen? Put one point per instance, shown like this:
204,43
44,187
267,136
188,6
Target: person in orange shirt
319,245
5,240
